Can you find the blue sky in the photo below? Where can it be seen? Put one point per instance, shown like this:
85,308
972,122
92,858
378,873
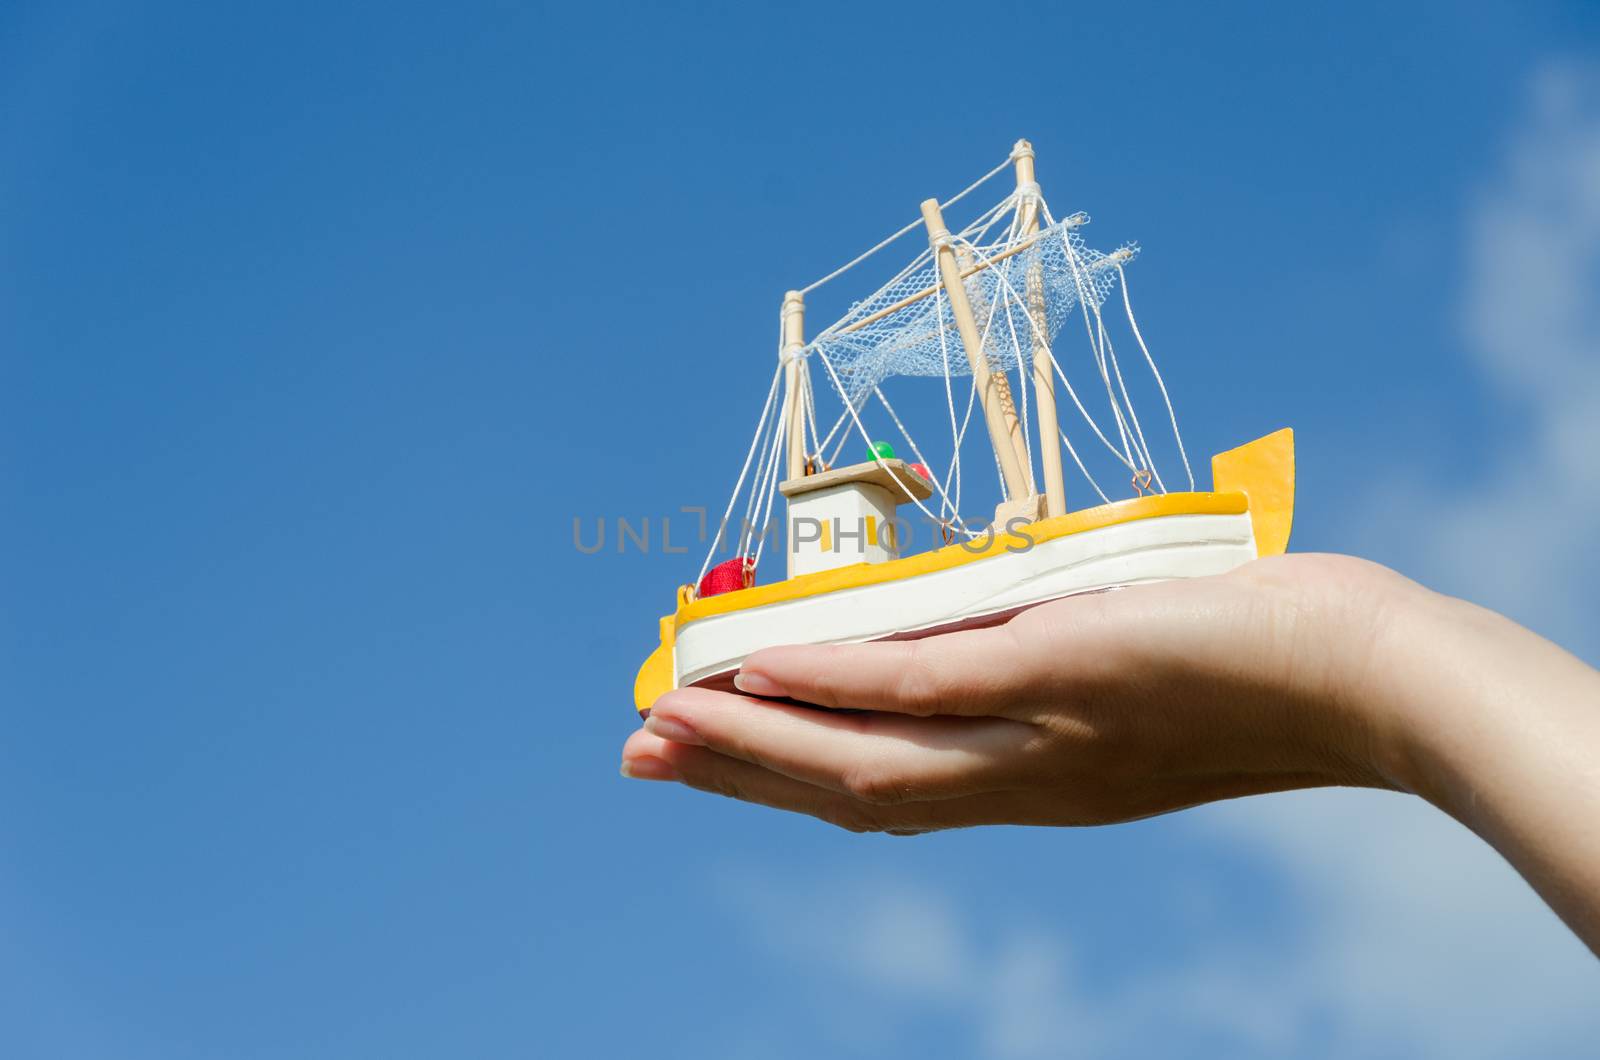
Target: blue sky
319,324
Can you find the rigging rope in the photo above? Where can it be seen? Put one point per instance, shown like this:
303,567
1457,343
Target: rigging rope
858,259
1151,361
903,327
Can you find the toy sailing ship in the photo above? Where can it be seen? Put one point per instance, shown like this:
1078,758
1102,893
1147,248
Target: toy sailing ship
984,304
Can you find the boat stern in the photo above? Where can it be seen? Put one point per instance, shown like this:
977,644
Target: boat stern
1262,470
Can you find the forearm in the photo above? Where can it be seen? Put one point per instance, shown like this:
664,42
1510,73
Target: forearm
1500,729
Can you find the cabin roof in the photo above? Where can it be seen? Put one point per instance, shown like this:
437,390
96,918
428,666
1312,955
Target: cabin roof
873,472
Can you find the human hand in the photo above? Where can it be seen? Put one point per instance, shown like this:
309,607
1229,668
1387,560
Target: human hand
1087,710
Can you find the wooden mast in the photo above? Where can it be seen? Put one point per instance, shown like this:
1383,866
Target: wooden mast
1044,369
989,392
794,341
1002,386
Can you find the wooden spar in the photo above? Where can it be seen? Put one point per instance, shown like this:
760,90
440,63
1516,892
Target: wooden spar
961,309
913,299
927,292
1044,369
794,340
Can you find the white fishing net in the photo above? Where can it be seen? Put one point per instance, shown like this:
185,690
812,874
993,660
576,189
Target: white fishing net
882,336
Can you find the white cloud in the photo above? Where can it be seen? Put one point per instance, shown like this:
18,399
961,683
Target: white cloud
1419,929
907,941
1520,537
911,942
1415,930
1409,937
899,945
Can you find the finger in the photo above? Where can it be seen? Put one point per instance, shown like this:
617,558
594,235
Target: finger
706,770
972,672
877,758
642,758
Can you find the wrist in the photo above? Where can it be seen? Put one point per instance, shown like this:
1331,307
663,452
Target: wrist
1440,691
1414,649
1345,625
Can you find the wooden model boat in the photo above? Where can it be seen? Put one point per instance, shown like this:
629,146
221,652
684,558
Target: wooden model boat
847,580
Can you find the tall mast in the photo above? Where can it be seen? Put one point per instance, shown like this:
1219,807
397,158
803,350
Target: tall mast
1044,370
794,341
989,385
1002,387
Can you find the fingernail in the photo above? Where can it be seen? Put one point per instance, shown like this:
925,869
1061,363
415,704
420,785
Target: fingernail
645,767
756,684
672,729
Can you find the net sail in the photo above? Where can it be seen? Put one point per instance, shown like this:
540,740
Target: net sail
907,328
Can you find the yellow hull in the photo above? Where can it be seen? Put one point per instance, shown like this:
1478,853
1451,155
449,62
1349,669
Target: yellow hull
1257,478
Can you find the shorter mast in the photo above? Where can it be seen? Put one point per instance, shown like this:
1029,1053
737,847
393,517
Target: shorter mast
794,402
1044,370
994,407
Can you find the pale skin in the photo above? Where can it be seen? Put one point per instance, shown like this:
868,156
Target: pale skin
1291,672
